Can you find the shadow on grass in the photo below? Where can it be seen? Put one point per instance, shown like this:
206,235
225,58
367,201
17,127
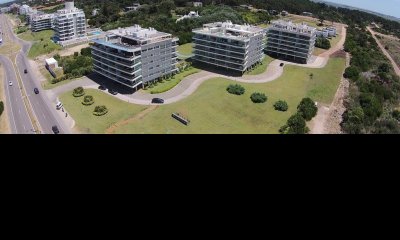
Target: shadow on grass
110,84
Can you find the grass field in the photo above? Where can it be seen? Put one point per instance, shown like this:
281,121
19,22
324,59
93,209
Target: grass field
89,123
167,85
40,47
185,49
261,68
394,48
212,110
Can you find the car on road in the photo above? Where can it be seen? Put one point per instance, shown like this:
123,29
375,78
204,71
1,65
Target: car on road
10,83
112,91
157,100
25,71
36,90
55,129
101,87
281,64
59,105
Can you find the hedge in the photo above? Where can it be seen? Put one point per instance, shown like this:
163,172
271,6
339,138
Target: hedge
100,110
258,97
235,89
1,107
88,100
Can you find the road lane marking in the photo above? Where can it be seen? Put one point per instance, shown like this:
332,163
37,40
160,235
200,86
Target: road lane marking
10,104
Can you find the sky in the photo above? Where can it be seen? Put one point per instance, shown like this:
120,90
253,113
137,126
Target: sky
389,7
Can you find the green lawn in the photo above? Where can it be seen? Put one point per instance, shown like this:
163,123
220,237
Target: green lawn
89,123
185,49
40,47
167,85
261,68
212,110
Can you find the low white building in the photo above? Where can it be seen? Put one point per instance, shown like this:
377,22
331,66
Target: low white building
95,12
51,63
192,14
326,32
197,4
5,9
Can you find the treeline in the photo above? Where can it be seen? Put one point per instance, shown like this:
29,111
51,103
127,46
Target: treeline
374,88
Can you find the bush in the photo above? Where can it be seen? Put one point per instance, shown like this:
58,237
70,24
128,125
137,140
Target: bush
396,115
86,51
1,107
281,106
100,110
322,43
295,125
88,100
78,92
258,97
351,73
76,54
235,89
307,109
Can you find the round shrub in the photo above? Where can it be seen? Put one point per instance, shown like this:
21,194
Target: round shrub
307,109
100,110
258,97
78,92
281,106
235,89
88,100
396,115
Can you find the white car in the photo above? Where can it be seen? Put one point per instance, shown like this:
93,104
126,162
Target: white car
9,83
59,105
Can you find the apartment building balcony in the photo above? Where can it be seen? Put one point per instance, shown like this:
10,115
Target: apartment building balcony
220,46
115,72
218,63
290,48
222,53
289,39
127,69
220,58
215,49
290,53
126,63
117,67
128,83
127,56
232,45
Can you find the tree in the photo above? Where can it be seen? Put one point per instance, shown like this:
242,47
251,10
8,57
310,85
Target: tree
100,110
323,43
281,106
307,109
295,125
78,92
235,89
371,106
258,97
396,115
166,6
321,19
86,51
384,67
88,100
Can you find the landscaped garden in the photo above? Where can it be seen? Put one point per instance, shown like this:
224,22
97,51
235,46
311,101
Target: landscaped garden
211,109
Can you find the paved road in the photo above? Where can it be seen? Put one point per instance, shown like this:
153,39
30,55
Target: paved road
43,108
19,119
396,68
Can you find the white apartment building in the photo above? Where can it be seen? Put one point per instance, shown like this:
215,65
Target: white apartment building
134,56
294,42
69,23
23,10
191,14
41,22
227,45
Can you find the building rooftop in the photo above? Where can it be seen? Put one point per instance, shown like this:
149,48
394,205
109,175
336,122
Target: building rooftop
229,30
138,33
42,16
293,27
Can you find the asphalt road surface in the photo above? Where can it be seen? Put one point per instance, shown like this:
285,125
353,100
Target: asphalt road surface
44,110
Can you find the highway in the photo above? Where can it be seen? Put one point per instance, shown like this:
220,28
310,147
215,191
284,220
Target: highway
44,110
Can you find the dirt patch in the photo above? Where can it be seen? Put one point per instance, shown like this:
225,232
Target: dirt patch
138,116
4,124
339,54
72,50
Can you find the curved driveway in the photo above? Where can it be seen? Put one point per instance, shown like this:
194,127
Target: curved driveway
190,84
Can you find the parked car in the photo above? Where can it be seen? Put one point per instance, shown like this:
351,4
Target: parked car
26,71
101,87
112,91
59,105
10,83
157,100
36,91
55,129
281,64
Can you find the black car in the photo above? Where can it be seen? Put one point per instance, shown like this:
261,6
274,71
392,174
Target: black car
281,64
26,71
36,91
157,100
101,87
113,92
55,129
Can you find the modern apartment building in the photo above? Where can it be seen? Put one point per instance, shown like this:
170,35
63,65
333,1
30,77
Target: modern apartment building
41,22
134,56
69,23
228,45
294,42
